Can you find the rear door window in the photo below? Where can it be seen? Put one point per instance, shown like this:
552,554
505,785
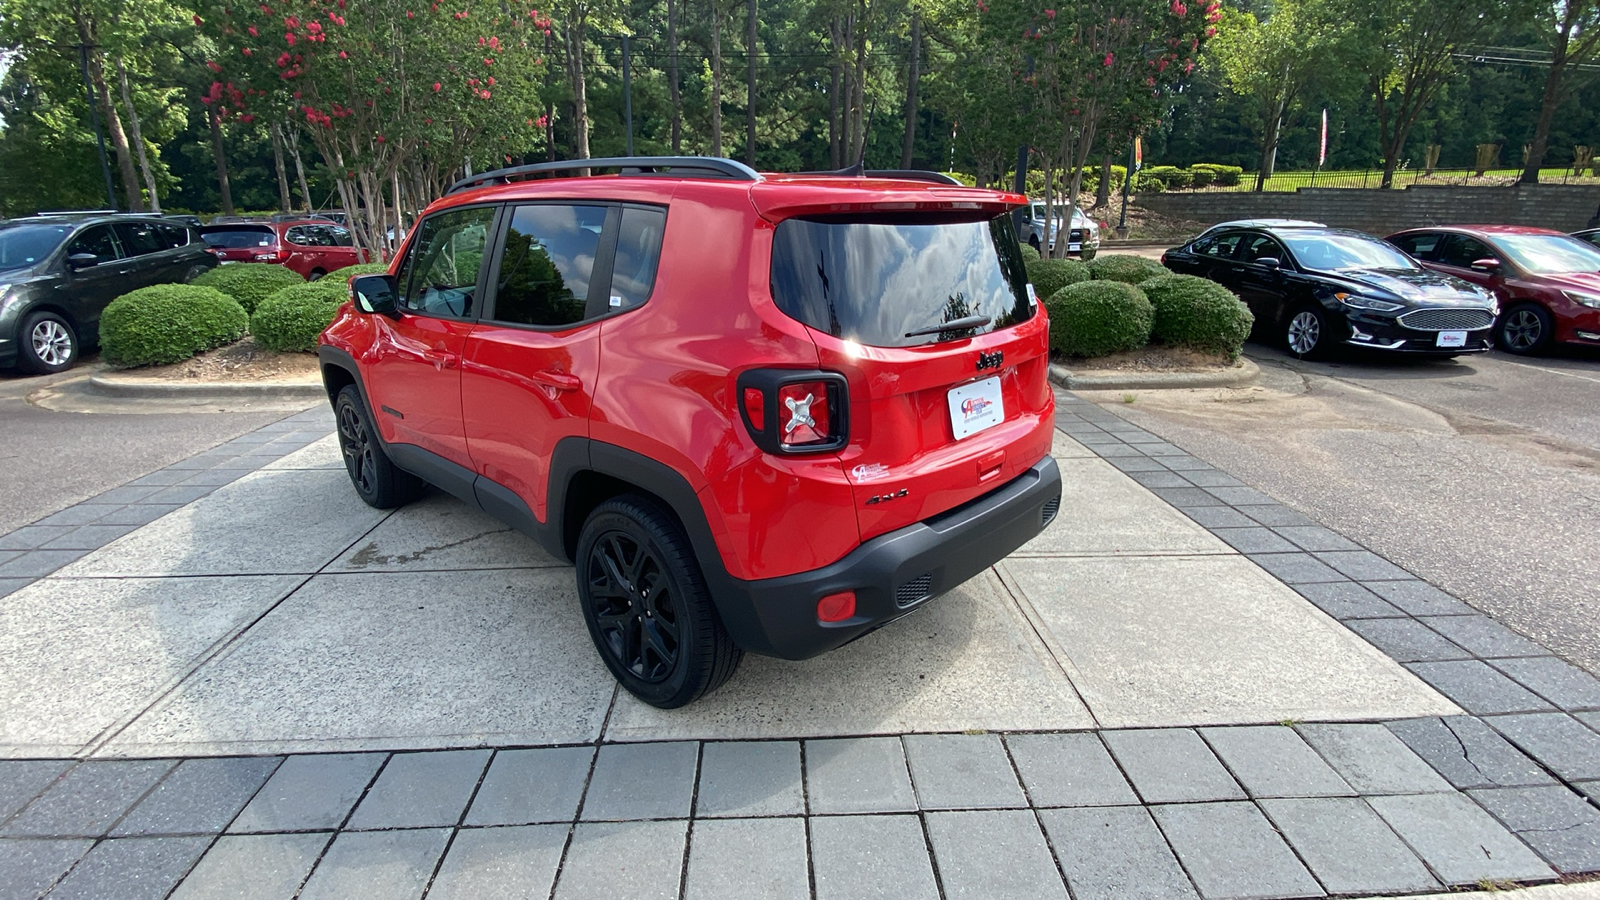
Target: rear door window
139,238
892,282
1462,251
1420,246
547,264
1219,247
239,237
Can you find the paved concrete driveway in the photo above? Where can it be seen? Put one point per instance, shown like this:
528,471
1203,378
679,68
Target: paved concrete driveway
1182,688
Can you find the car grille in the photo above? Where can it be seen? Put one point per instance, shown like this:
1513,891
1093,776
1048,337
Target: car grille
913,591
1048,514
1447,319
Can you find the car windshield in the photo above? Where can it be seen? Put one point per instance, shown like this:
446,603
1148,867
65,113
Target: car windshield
238,237
22,246
894,282
1332,252
1549,254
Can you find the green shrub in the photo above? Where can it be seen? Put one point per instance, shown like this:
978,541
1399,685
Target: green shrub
1197,313
168,323
1094,318
1124,267
1202,177
1051,275
1171,177
1029,253
343,276
249,283
1145,184
1225,176
291,319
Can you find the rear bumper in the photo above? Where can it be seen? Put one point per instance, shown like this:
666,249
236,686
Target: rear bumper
892,574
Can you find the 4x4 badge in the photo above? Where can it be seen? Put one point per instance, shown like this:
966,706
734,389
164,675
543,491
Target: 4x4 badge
990,360
885,498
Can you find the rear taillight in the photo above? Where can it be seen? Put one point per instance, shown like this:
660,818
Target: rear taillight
788,411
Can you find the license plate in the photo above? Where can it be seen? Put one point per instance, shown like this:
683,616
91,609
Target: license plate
1452,339
976,406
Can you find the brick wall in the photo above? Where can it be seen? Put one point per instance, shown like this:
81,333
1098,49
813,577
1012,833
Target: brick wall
1566,207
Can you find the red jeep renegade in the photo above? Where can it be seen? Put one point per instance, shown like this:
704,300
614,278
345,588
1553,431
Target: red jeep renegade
764,413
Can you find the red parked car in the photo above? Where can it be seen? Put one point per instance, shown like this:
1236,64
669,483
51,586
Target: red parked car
310,247
764,413
1548,283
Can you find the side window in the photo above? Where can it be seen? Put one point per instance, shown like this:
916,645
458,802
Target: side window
139,238
1420,246
633,273
1262,247
96,240
549,257
440,276
338,236
1460,251
1221,247
172,236
299,234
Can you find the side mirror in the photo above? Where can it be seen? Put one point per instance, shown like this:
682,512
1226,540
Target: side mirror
1271,262
374,294
1487,264
82,260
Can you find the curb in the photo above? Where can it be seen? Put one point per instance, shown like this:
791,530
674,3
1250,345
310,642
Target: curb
221,390
1244,373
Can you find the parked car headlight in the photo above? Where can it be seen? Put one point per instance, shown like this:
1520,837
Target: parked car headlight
1587,299
1356,301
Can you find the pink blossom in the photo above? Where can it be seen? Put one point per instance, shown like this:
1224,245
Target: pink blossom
289,38
1178,9
213,66
198,21
343,55
1050,14
436,87
1108,60
283,59
253,31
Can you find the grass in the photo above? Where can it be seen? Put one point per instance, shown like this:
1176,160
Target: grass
1371,178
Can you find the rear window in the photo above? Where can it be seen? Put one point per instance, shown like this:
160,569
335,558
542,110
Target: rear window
239,237
894,282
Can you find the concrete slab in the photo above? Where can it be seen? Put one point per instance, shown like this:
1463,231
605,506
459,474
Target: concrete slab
84,656
390,661
322,453
222,534
442,533
1104,512
1065,447
1207,640
967,660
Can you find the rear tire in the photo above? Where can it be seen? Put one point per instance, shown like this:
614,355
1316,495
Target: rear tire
315,275
378,481
1524,329
49,344
645,601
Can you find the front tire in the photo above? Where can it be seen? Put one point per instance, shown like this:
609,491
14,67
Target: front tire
1524,329
377,480
1306,333
49,344
647,606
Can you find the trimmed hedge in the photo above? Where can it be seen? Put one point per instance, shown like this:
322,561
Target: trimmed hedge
343,276
1029,253
290,320
1197,313
249,283
1124,267
1224,176
1094,318
168,323
1051,275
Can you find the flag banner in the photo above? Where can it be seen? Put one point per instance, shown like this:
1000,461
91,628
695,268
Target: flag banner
1322,148
1138,154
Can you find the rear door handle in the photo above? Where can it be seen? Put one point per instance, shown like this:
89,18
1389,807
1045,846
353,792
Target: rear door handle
560,381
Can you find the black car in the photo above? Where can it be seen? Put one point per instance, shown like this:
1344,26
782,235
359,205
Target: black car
58,272
1314,288
1592,235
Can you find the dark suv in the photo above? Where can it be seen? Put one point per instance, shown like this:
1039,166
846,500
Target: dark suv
58,272
764,413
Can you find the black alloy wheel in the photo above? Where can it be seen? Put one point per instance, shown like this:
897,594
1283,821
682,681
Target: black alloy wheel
647,605
1523,329
377,480
49,344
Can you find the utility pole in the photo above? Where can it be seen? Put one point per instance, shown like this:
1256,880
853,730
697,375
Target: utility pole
1127,179
1020,185
627,89
94,116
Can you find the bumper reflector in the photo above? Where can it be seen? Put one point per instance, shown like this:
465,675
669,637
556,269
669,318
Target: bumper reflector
837,607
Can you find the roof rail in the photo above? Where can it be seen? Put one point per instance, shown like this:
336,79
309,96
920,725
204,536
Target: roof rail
78,212
677,166
858,171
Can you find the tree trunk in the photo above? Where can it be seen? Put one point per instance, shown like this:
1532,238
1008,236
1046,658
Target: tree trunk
833,111
299,167
1102,194
858,103
284,204
138,138
549,103
1547,114
220,157
119,139
580,90
909,145
672,76
750,88
716,80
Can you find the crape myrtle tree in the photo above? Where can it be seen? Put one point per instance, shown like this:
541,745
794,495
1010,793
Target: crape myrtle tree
397,96
1093,62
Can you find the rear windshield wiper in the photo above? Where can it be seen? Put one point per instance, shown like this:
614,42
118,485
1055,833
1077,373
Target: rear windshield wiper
962,324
